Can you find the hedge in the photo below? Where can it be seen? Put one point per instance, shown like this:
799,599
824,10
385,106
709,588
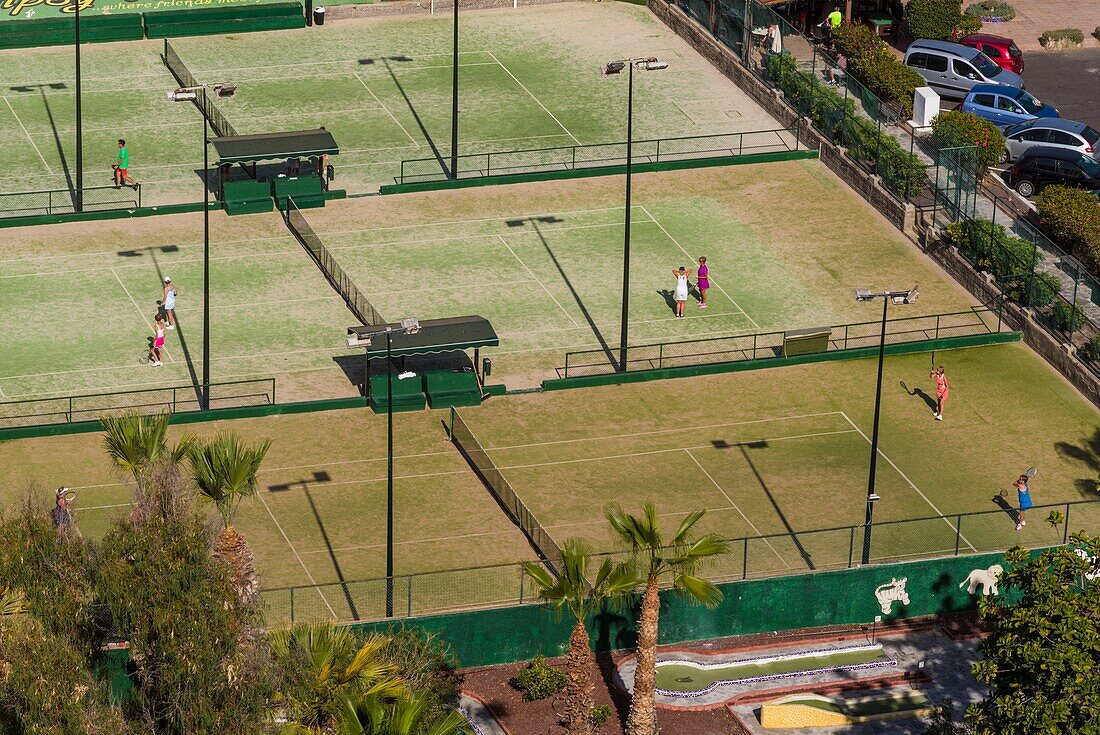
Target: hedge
872,63
1071,218
990,248
933,19
1074,35
901,172
953,129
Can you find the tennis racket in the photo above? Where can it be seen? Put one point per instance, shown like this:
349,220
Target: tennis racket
1030,472
145,358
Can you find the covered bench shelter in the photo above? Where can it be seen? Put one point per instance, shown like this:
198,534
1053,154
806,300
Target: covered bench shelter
303,173
438,386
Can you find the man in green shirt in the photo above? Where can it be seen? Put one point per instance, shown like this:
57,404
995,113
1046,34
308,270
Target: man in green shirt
122,165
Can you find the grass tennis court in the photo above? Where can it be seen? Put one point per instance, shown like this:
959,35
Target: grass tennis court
775,451
383,86
541,261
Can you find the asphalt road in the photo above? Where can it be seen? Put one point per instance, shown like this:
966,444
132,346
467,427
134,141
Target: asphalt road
1069,80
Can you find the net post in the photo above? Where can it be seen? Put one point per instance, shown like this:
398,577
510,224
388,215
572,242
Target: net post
451,427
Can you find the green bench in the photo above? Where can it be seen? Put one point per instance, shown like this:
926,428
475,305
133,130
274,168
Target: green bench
305,189
806,341
247,196
446,388
61,31
217,21
408,394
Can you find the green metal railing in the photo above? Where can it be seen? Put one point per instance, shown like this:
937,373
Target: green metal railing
576,157
173,399
60,201
750,557
763,345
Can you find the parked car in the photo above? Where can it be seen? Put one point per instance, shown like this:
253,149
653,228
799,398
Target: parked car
1054,132
1042,165
1004,106
1002,51
952,69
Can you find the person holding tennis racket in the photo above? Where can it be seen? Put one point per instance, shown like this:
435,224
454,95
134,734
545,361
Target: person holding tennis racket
158,342
943,390
1023,496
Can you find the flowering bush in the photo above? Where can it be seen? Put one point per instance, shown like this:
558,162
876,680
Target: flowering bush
1074,36
991,10
1071,217
954,128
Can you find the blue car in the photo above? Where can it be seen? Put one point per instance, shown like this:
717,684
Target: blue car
1003,105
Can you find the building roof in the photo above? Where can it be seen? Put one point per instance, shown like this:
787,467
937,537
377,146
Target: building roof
269,146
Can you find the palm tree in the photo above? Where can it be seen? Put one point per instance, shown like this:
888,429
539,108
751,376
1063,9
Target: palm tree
12,602
135,443
571,591
332,664
224,470
372,716
677,558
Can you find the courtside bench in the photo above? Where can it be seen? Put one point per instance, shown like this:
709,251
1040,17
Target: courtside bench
408,394
218,21
446,388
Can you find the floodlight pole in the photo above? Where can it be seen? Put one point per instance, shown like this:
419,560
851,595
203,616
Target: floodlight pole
78,203
454,99
205,256
624,326
869,520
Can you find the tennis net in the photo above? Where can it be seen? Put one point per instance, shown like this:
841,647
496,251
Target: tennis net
206,106
497,484
353,297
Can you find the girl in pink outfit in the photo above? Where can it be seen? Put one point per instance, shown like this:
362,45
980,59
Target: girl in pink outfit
943,390
703,282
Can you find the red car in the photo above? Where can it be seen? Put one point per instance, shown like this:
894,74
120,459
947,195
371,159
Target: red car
1004,51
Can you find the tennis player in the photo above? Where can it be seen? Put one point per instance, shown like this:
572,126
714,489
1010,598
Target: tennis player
122,166
169,302
1023,496
680,295
62,518
158,342
943,390
702,282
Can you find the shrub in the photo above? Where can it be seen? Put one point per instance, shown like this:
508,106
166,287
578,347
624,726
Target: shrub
990,248
992,10
872,63
1071,217
428,665
538,680
1096,33
967,24
933,19
1073,35
954,128
1038,291
1091,351
1069,318
599,715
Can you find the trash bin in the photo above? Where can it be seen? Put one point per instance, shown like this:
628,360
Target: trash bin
319,16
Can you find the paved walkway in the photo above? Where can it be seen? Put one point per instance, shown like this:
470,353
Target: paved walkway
1035,16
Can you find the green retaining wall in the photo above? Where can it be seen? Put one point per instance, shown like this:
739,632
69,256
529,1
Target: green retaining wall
638,376
224,20
105,214
581,173
519,633
61,31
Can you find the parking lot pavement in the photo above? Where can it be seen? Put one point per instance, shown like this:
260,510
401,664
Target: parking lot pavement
1069,80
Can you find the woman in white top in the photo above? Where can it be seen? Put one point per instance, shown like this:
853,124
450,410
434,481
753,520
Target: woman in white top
680,295
169,302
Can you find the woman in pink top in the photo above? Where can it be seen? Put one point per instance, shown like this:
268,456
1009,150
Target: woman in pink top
703,282
943,390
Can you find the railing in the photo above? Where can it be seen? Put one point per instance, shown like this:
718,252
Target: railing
574,157
71,409
763,345
61,201
750,557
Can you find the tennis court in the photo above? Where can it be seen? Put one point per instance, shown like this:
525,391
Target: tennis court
779,452
320,516
382,86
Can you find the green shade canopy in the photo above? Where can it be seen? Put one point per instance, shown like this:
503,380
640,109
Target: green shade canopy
435,335
268,146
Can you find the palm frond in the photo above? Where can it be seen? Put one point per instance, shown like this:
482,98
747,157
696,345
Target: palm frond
699,590
686,525
12,602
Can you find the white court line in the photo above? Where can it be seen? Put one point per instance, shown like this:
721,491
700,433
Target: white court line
574,524
636,434
27,133
910,483
294,551
536,99
142,314
739,511
629,455
536,279
265,470
413,542
369,480
372,94
716,285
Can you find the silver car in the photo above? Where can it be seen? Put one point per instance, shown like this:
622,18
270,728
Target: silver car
1051,132
952,69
